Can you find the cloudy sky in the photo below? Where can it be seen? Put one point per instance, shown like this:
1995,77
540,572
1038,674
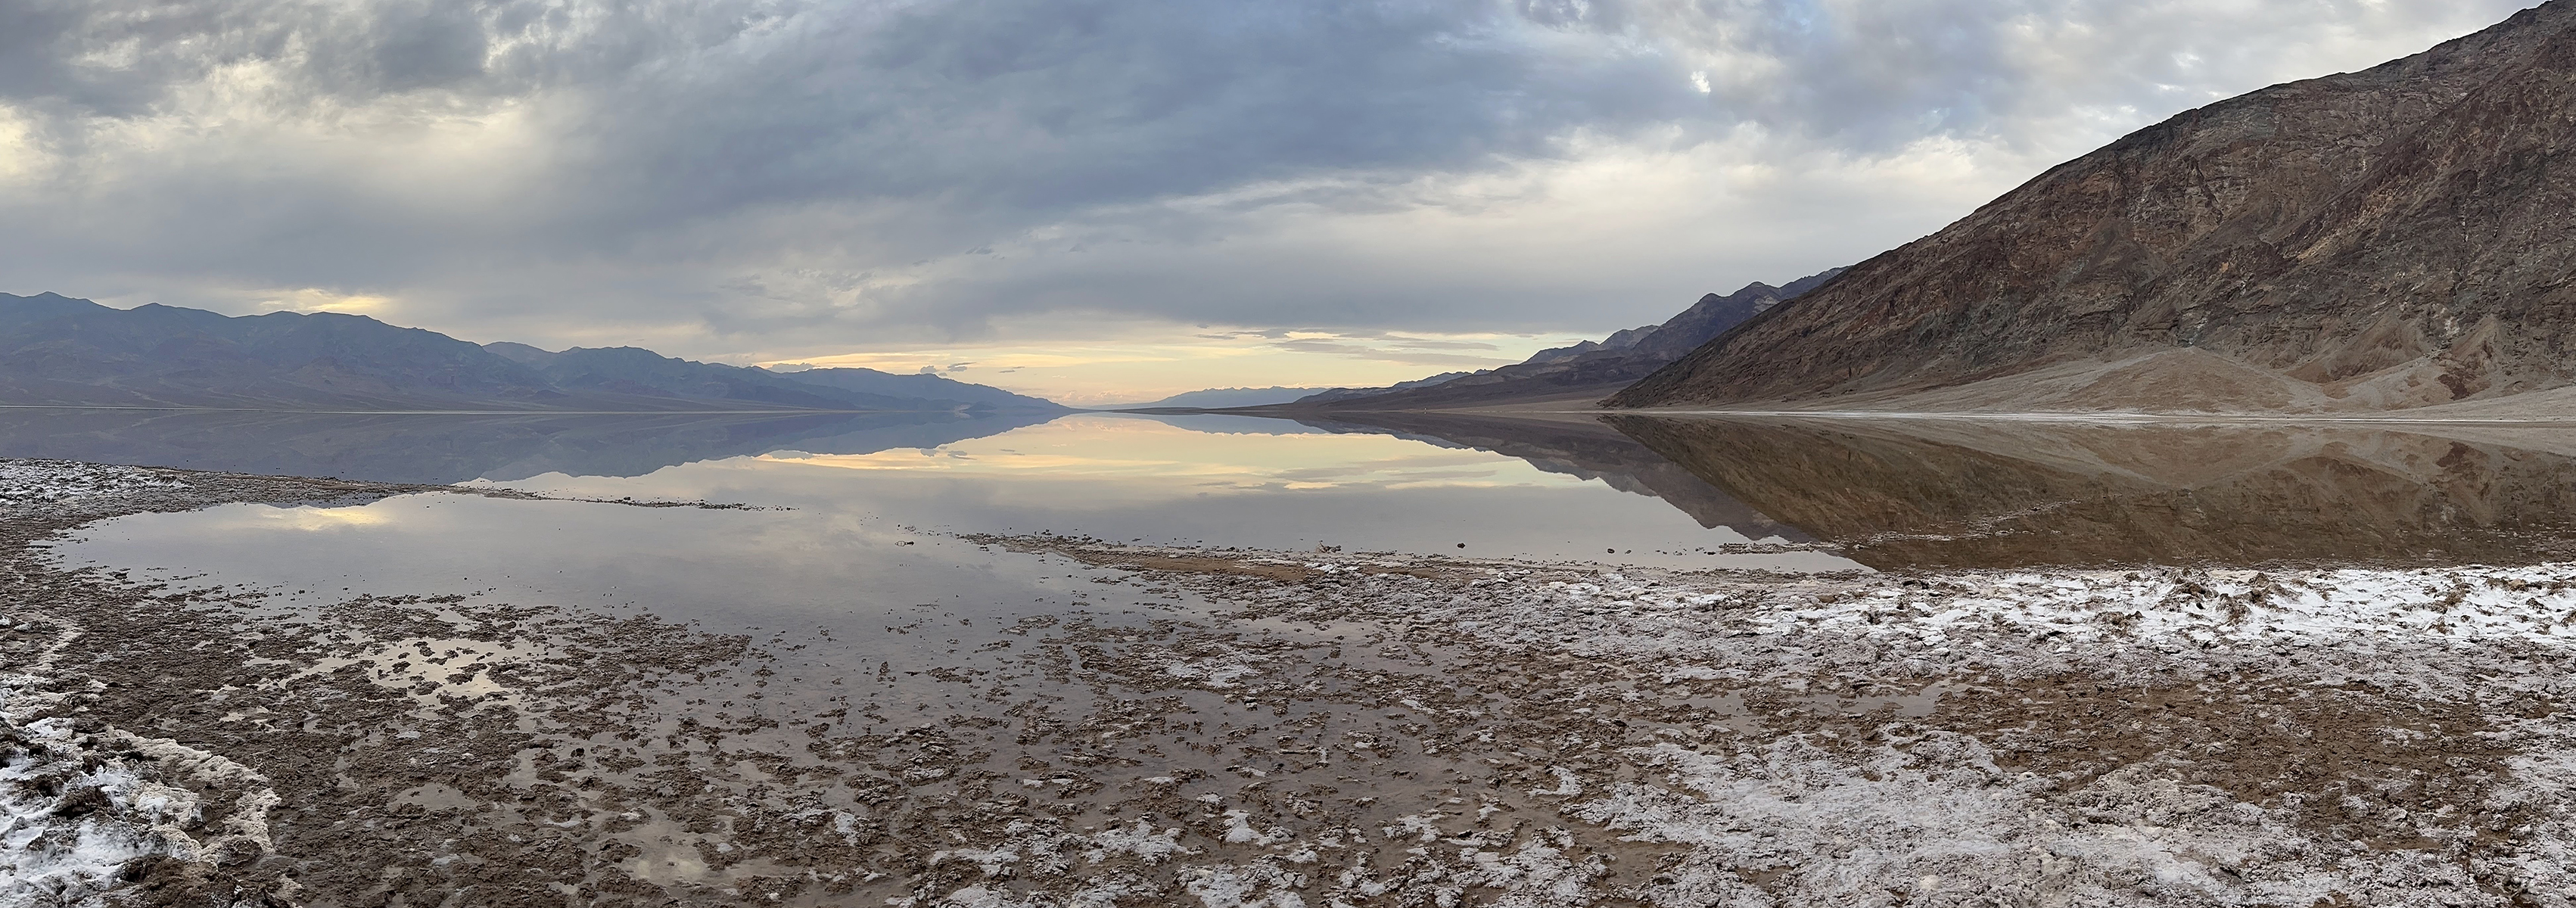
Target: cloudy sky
1092,199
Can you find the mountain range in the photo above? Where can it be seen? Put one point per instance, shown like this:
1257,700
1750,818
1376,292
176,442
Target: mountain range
1583,371
2399,237
1225,398
59,351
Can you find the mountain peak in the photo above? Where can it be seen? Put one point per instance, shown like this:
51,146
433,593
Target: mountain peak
64,352
2394,237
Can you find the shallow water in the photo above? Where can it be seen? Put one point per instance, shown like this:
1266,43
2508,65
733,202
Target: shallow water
846,551
846,495
1782,494
903,672
843,559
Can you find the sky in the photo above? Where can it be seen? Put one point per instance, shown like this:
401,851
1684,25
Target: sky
1094,200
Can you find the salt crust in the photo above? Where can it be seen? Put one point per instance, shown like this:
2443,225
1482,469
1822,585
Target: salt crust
76,807
60,480
1924,816
1921,817
1929,818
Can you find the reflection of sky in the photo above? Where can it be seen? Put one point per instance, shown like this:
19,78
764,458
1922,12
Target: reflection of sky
1181,461
863,531
1215,480
304,519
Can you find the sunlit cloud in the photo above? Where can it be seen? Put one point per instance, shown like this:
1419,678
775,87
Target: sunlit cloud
310,299
1147,361
784,180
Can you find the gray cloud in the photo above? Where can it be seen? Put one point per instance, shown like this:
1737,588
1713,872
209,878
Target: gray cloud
729,177
1380,354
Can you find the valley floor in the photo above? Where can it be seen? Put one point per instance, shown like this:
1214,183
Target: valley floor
1297,729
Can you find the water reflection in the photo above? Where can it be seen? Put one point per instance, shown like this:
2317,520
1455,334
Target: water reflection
1239,481
1708,492
1580,446
439,448
1943,493
1541,490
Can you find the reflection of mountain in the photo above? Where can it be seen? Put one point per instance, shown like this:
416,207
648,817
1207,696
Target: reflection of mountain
450,448
1924,494
1580,447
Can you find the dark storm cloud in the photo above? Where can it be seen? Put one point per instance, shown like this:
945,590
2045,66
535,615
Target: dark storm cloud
1047,106
730,172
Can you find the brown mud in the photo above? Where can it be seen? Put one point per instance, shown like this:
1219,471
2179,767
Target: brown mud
1322,728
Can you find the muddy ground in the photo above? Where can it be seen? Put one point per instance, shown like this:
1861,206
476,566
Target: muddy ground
1293,729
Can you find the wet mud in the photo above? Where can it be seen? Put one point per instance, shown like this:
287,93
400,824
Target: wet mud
1294,729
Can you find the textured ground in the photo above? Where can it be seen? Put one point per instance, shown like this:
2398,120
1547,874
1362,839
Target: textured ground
1296,729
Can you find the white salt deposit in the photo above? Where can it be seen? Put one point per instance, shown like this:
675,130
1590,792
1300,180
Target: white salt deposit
77,807
67,832
24,481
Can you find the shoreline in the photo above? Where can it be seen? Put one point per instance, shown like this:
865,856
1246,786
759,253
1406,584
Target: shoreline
1306,728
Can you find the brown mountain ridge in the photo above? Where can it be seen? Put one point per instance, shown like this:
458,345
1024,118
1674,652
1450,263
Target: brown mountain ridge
2399,237
1577,373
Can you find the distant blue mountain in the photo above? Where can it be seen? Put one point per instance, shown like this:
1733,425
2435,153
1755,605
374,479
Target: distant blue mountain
59,351
871,381
1221,398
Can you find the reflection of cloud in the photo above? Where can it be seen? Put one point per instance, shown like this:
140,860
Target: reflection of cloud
1422,476
1380,471
314,519
1151,458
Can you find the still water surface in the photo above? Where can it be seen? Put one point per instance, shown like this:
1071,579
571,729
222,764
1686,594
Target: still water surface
845,569
831,504
850,524
848,493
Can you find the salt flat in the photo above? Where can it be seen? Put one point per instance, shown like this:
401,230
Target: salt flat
1223,726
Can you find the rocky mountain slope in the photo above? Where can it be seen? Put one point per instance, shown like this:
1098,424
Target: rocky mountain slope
58,351
1584,370
2398,237
1340,394
634,373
